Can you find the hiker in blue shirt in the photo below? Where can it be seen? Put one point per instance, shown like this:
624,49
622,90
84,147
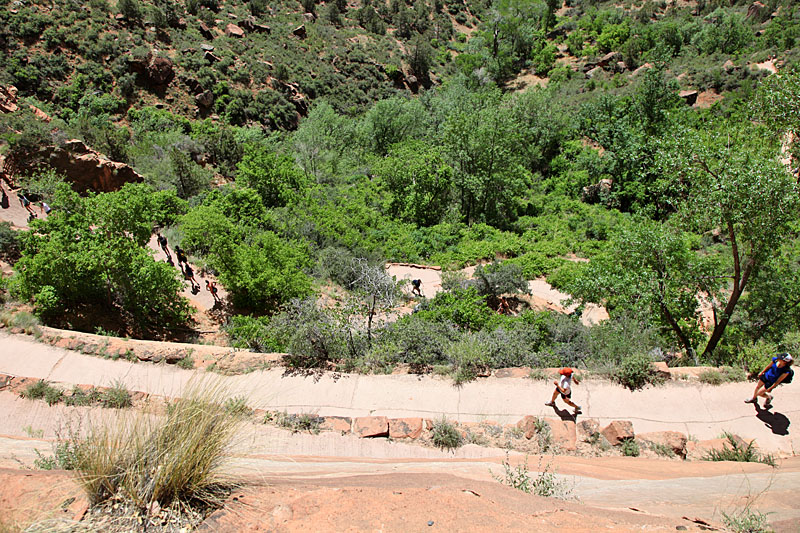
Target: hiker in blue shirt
773,375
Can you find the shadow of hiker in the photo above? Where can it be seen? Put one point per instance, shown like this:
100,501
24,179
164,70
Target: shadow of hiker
565,415
777,422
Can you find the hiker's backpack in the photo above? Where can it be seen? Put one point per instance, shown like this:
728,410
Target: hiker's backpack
788,378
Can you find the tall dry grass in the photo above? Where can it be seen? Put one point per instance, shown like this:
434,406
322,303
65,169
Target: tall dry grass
174,458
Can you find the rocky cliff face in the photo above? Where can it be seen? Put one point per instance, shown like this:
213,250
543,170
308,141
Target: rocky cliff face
86,169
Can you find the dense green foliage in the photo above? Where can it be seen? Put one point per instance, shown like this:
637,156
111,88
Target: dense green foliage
90,252
394,132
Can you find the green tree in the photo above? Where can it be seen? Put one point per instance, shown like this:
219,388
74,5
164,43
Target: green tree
418,180
275,177
650,270
480,138
322,140
130,9
90,251
733,182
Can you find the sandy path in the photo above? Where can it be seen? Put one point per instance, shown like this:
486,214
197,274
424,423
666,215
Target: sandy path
276,457
698,410
203,300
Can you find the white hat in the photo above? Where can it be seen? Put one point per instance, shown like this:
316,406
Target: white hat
786,357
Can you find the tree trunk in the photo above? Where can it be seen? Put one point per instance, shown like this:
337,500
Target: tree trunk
369,321
672,322
740,277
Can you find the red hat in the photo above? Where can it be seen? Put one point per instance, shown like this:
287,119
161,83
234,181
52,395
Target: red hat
566,371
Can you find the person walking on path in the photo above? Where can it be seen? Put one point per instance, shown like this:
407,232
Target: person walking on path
564,388
23,200
775,373
211,287
188,273
180,255
162,242
416,287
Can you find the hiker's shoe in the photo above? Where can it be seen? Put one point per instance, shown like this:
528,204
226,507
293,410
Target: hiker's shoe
750,400
768,403
550,404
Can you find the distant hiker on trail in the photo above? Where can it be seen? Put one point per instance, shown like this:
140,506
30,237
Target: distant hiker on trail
180,255
44,208
24,202
162,242
212,288
503,308
416,287
4,201
188,273
564,387
775,373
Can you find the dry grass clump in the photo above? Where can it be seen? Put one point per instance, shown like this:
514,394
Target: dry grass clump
152,461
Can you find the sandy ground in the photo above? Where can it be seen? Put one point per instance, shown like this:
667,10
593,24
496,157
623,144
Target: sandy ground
203,300
542,297
14,212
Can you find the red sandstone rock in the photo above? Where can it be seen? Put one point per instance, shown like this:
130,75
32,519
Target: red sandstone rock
405,428
618,431
674,440
563,432
371,426
336,423
587,428
232,30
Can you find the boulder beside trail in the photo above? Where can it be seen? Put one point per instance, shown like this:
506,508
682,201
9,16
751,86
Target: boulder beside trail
674,440
371,426
405,428
618,431
336,423
563,433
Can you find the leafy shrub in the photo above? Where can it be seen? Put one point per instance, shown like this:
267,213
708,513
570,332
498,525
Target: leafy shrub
64,457
53,395
80,397
36,391
295,422
47,303
250,332
725,374
237,407
116,397
465,308
637,371
445,435
186,363
467,358
9,243
747,521
629,448
734,451
545,484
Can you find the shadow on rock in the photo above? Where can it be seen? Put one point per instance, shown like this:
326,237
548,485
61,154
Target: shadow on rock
778,423
565,415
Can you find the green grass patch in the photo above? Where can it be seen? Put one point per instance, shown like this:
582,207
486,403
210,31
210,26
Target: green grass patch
733,450
445,435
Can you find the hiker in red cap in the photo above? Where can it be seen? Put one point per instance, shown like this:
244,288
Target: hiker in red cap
564,387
